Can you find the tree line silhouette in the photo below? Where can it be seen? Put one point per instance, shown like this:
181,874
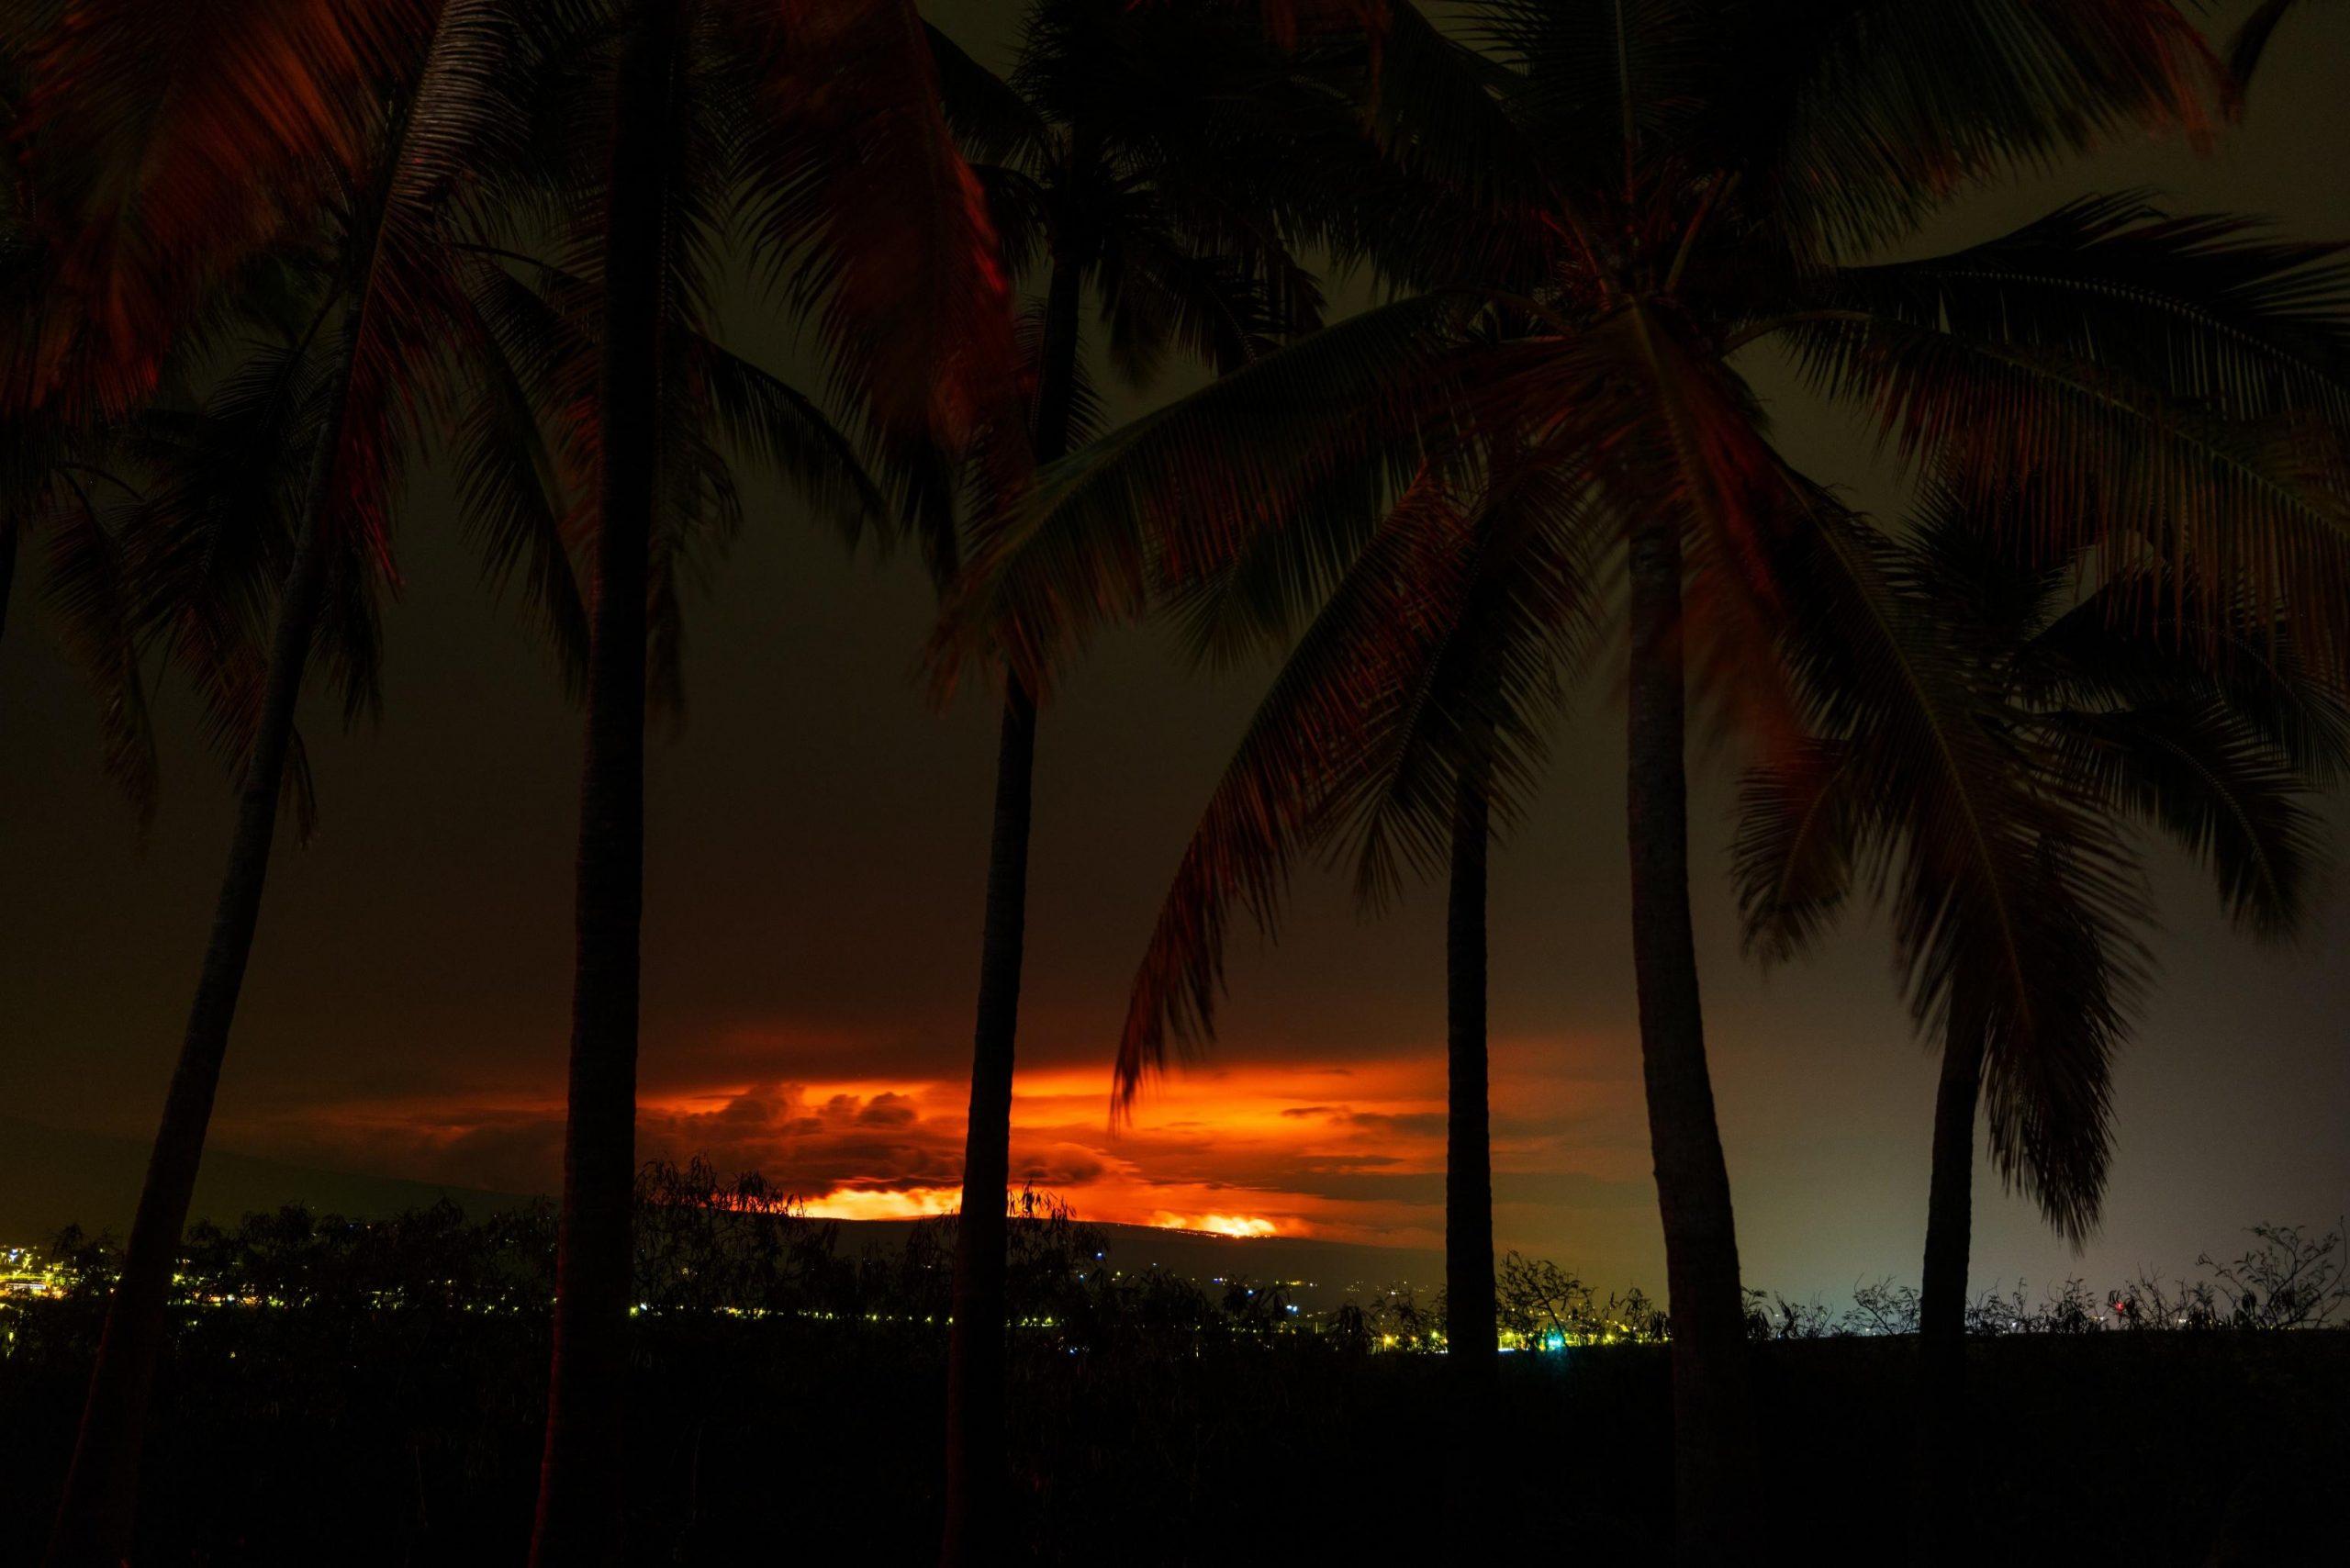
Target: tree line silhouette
267,259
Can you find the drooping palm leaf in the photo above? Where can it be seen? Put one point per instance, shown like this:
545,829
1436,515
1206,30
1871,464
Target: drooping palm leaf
169,140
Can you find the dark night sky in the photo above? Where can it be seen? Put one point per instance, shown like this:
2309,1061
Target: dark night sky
817,838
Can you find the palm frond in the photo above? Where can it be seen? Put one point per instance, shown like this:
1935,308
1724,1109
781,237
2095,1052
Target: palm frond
2249,43
1792,858
765,418
2216,789
2218,500
1182,490
912,299
166,143
991,122
1850,119
93,590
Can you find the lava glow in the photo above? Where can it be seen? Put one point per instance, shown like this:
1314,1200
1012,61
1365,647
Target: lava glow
1218,1225
864,1203
1352,1152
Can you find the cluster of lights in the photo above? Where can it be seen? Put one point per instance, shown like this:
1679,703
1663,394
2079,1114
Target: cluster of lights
27,1274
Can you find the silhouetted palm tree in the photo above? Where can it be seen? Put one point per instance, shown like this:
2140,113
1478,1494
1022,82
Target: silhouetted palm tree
393,100
1126,155
798,118
1613,203
1412,708
2073,711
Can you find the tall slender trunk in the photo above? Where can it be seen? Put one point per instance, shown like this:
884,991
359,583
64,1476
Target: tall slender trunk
97,1515
975,1353
1470,1335
582,1484
10,530
1471,1343
1937,1493
1712,1399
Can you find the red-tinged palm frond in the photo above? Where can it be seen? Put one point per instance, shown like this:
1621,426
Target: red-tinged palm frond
911,300
1253,604
409,302
1441,650
165,142
1276,789
1183,490
2137,447
1519,625
1696,446
1850,120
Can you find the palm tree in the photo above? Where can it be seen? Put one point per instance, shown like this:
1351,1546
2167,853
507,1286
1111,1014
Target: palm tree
1412,709
1116,160
129,231
1656,189
379,325
809,110
2094,716
1413,706
1129,156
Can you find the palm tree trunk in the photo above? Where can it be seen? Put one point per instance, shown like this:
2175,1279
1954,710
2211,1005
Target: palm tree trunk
1712,1399
97,1513
582,1484
976,1352
1937,1512
1471,1341
8,532
1470,1335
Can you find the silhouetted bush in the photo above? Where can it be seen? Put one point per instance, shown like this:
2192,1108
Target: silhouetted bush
371,1393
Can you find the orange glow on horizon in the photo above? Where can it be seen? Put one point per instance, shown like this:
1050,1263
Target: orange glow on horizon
867,1202
1340,1151
1217,1224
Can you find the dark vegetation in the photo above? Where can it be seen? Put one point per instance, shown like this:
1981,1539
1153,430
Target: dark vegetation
372,1392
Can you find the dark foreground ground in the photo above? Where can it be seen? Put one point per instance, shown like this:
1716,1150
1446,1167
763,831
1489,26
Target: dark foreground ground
334,1437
